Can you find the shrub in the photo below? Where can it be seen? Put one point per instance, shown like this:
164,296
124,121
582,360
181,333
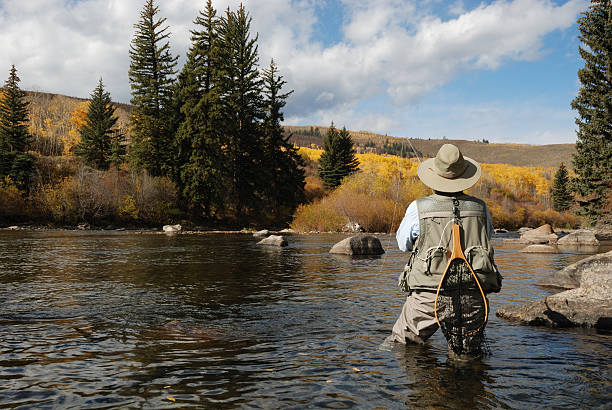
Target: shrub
12,203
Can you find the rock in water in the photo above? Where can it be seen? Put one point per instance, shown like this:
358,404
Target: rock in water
261,234
540,249
172,228
358,245
581,237
570,276
543,234
274,240
589,305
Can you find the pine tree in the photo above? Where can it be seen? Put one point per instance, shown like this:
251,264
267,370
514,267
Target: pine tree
151,77
338,159
593,158
242,112
96,134
283,163
561,192
14,135
117,148
199,160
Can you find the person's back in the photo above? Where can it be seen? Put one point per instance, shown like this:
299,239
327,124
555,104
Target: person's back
426,231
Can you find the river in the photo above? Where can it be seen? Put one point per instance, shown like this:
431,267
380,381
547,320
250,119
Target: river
120,319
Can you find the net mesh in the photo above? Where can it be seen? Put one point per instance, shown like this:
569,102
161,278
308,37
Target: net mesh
461,310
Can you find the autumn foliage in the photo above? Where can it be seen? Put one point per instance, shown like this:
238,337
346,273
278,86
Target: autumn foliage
377,196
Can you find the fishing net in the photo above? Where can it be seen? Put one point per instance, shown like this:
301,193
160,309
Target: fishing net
461,310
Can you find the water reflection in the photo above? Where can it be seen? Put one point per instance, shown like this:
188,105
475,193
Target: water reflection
125,320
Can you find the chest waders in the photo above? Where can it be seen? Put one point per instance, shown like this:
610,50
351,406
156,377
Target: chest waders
455,285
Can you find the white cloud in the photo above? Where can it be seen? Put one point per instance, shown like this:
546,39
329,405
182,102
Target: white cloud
393,49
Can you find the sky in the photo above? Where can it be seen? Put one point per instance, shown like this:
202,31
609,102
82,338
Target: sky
501,70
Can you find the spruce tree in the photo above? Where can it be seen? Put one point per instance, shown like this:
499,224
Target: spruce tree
199,160
96,134
14,134
242,112
285,189
561,191
338,159
151,78
593,158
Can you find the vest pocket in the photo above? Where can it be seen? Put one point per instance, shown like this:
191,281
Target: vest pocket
479,259
436,260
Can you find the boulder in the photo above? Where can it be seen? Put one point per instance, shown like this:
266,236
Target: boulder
274,240
358,245
83,226
352,227
570,276
589,305
13,228
543,234
261,234
524,229
501,230
172,228
603,232
540,249
581,237
288,231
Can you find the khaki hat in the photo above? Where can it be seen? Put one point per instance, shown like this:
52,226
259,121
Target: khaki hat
449,171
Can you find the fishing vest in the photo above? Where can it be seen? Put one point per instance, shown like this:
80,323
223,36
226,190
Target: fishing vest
432,249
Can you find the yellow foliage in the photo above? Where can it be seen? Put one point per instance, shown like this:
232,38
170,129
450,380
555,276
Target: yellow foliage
77,120
377,196
127,208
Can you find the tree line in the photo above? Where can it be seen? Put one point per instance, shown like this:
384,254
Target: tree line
213,127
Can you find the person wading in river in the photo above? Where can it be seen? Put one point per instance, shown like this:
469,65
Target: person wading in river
443,294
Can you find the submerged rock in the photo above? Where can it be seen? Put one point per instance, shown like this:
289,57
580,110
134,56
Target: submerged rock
274,240
541,235
358,245
540,249
589,305
581,237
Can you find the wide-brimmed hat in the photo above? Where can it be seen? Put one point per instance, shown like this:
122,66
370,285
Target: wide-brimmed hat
449,171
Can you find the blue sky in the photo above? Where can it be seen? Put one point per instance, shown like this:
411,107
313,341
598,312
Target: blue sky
500,70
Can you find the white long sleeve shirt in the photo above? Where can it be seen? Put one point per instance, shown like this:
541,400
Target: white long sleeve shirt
408,231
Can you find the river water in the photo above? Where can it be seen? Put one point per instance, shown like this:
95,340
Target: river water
119,319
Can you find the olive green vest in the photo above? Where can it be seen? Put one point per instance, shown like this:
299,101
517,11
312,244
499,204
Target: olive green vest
432,249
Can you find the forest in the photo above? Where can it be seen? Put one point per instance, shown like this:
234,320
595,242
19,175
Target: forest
204,146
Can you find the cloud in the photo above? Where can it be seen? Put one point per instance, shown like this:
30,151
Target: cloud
393,50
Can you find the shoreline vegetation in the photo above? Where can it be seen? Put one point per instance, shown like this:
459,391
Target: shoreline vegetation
204,147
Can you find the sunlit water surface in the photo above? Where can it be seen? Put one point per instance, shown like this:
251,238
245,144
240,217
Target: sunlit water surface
118,319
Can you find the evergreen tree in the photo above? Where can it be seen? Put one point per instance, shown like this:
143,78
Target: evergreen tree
593,158
151,78
338,159
14,135
96,134
199,160
283,163
561,192
242,112
117,149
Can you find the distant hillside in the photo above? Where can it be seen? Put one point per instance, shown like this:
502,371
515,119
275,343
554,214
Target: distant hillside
51,120
514,154
51,125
